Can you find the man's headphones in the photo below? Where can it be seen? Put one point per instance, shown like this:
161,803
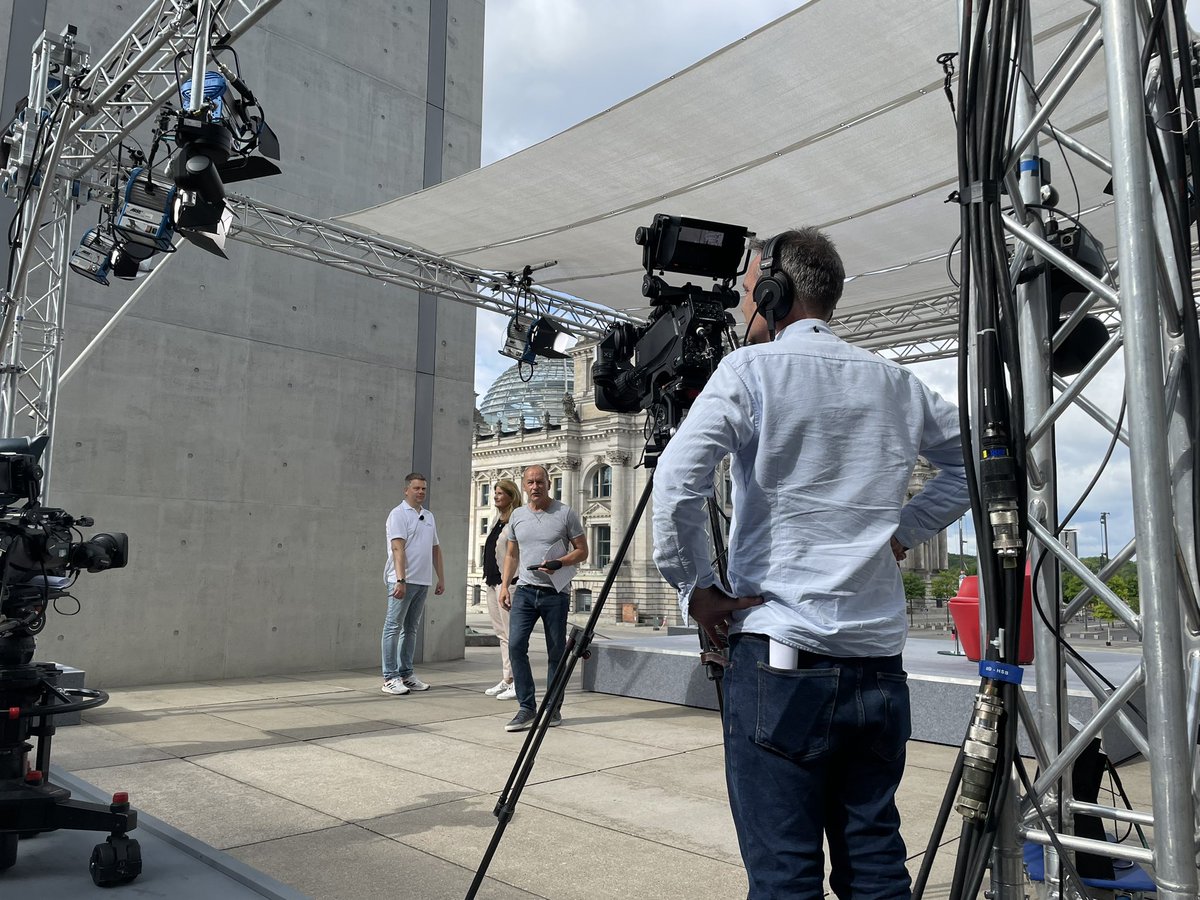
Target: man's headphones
773,292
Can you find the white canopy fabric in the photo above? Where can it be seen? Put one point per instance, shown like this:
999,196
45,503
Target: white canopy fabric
833,116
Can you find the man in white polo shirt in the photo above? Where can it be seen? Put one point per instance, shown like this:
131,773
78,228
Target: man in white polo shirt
414,555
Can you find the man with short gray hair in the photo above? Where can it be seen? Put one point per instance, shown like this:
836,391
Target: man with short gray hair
823,437
546,543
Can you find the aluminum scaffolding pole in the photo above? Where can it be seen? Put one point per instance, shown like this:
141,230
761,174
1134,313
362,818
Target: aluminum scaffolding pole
1174,846
1033,323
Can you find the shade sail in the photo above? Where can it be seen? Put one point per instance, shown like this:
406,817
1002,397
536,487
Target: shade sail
834,115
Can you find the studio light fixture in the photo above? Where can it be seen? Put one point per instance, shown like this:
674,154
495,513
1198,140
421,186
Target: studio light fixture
144,216
93,257
214,147
527,338
1089,335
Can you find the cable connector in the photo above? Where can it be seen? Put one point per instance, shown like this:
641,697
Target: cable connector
998,484
980,751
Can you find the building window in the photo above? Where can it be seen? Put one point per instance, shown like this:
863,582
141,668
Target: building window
483,525
556,493
485,494
602,482
602,545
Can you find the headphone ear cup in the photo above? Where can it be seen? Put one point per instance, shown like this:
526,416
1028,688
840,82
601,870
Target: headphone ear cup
773,296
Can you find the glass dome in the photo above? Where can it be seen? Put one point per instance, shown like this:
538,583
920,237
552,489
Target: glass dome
510,399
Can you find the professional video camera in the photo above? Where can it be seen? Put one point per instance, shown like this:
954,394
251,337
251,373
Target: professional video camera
663,365
40,557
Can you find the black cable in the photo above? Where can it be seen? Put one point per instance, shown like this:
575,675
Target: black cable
1191,325
41,138
950,253
1112,445
1037,605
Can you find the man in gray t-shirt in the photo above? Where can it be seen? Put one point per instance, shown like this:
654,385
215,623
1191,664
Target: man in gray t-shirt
546,543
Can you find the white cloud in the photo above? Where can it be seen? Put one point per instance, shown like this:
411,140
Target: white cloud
489,338
550,64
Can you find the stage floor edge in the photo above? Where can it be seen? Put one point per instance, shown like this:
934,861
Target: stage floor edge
942,685
176,866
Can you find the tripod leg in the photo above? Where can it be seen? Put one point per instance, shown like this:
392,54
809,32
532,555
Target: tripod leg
577,647
712,655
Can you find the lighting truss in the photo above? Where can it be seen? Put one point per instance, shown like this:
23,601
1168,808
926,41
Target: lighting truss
332,244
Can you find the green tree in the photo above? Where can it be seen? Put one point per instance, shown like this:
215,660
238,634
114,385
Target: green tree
967,564
944,585
914,586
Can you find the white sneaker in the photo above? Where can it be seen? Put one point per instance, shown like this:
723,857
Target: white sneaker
395,686
413,683
509,693
497,688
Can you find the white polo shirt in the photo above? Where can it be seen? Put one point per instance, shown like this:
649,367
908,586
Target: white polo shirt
419,533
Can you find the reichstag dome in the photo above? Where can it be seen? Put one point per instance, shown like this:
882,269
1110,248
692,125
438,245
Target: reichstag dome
511,399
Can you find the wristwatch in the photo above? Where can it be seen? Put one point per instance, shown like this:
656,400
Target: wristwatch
401,581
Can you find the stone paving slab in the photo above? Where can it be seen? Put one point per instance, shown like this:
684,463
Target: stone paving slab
94,746
187,733
563,743
349,788
219,810
300,722
563,857
693,772
677,818
349,863
475,766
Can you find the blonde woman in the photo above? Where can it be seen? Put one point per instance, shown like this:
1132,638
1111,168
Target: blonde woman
506,497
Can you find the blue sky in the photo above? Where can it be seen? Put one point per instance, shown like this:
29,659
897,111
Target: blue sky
550,64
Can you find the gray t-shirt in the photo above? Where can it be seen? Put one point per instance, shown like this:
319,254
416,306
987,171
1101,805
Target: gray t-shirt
543,535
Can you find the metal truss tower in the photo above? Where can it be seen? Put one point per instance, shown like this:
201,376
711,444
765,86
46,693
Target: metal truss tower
1157,706
66,146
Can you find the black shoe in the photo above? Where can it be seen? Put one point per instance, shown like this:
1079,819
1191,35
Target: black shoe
555,719
522,720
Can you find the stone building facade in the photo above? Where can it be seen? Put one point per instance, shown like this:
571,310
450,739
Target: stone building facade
595,463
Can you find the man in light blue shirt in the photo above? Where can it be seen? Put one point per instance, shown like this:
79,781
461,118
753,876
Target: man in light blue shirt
824,437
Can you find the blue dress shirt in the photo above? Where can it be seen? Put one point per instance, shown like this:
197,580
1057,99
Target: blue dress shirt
824,438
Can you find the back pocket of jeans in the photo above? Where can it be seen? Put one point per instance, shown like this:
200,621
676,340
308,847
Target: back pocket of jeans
795,711
894,716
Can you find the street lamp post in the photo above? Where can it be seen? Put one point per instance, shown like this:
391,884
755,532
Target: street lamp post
1104,533
962,553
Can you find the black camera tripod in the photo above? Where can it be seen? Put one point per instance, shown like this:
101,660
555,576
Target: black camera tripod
30,698
578,647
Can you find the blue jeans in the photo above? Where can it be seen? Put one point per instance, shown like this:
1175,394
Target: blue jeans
400,631
528,605
816,750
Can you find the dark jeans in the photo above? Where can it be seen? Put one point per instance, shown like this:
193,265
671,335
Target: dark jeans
528,605
816,750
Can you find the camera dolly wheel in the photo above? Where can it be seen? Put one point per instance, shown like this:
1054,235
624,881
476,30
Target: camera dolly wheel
117,861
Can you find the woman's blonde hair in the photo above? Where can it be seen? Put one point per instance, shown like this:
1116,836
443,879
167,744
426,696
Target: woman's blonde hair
514,492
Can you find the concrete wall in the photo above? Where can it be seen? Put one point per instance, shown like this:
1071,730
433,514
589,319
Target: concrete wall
250,422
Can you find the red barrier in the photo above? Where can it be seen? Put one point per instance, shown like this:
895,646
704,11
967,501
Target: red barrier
964,609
